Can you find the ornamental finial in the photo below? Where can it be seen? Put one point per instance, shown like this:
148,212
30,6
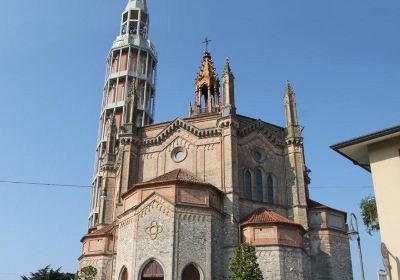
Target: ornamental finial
206,42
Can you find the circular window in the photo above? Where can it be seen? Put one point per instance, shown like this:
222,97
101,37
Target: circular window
179,154
257,156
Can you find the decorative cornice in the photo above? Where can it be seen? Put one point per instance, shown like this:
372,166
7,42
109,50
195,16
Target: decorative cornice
128,140
274,136
294,141
174,126
228,122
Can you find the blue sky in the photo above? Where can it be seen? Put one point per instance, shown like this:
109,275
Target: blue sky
341,56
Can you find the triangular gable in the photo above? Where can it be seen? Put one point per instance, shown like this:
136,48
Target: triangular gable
276,137
155,200
177,124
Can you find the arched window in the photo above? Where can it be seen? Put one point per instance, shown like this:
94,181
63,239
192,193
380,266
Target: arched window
259,186
204,97
190,273
124,274
247,185
153,271
270,183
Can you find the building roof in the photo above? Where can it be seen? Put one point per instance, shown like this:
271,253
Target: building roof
266,216
180,175
107,230
312,204
356,149
173,177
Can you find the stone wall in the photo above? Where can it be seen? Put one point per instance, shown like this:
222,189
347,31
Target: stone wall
330,255
282,263
155,235
103,264
126,236
194,241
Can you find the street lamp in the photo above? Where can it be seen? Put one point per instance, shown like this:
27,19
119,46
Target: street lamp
354,234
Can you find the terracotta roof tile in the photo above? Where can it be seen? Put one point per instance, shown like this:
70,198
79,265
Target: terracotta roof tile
266,216
103,231
180,175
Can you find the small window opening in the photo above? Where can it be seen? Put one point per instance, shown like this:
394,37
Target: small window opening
135,14
247,185
125,17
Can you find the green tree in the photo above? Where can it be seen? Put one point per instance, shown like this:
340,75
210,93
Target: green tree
243,265
48,273
369,214
87,273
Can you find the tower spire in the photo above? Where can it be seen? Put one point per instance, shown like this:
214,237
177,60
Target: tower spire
290,106
228,90
297,189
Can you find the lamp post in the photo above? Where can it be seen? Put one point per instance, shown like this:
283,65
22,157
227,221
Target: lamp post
353,233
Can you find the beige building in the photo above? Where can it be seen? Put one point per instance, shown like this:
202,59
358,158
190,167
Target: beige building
171,200
379,153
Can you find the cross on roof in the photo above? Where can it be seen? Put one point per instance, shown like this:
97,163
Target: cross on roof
206,42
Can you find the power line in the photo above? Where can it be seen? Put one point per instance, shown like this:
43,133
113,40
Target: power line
89,186
341,187
45,184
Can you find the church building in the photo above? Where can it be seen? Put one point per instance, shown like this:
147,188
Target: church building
172,200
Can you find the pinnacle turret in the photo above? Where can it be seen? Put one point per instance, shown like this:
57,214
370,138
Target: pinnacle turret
227,68
228,89
290,106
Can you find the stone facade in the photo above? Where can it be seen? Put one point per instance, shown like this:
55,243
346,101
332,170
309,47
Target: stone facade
175,198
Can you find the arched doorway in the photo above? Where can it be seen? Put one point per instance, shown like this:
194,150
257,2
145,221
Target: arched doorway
190,273
153,271
124,274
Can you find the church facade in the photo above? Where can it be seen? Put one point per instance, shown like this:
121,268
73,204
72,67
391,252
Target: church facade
172,200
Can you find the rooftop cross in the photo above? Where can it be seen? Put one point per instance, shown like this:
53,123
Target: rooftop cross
206,41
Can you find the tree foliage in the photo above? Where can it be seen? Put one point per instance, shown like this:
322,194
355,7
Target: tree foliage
243,265
369,214
87,273
49,273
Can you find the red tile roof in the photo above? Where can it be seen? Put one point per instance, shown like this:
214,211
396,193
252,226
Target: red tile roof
179,175
266,216
107,230
175,176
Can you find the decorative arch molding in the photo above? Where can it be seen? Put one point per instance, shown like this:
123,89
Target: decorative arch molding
192,271
275,136
155,201
175,125
159,265
261,144
179,141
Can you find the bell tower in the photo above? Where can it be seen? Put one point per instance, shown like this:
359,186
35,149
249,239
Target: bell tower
207,95
128,102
